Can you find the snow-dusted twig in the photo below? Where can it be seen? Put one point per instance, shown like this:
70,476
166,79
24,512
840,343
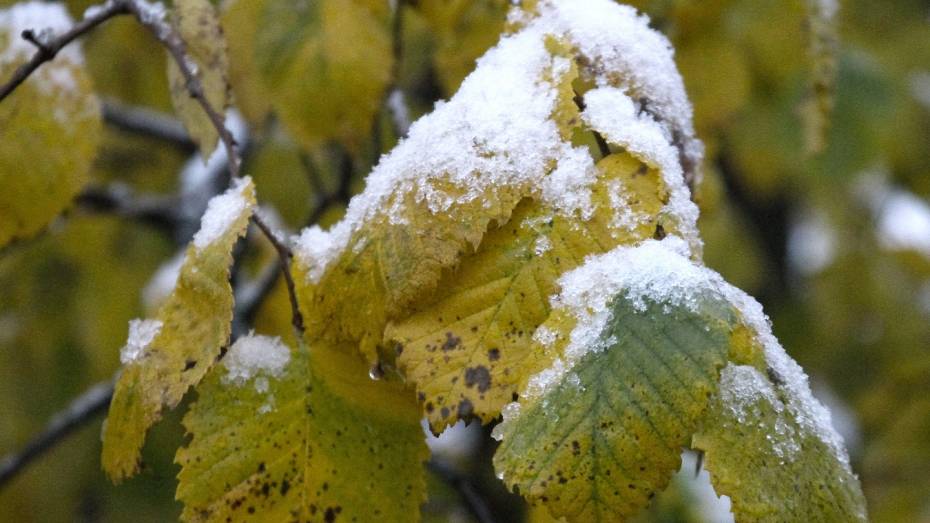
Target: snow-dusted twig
84,408
149,123
48,48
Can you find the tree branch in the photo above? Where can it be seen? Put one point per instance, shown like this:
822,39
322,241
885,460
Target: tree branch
118,199
47,49
148,123
285,255
84,408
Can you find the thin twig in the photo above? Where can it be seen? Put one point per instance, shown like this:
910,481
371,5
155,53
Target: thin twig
148,123
47,49
84,408
285,255
473,500
152,19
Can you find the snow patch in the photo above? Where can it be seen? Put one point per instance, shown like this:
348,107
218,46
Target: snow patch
497,132
141,335
255,355
222,212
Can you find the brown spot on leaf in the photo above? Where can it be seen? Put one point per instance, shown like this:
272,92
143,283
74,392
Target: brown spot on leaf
494,354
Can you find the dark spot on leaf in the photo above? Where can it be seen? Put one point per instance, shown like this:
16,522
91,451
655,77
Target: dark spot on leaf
451,342
478,376
189,364
494,354
285,486
465,408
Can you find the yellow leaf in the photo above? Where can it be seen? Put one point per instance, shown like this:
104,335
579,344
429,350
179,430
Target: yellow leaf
198,24
467,346
326,65
182,343
49,126
316,440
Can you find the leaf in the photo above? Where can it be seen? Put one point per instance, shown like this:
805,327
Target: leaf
321,441
197,21
49,127
467,347
768,444
417,219
194,323
597,438
326,65
771,467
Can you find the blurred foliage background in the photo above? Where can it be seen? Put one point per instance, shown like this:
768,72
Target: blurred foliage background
835,243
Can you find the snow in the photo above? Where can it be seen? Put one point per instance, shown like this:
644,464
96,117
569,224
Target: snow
254,355
657,271
902,219
904,223
812,243
222,212
496,135
141,335
803,408
45,20
613,113
660,271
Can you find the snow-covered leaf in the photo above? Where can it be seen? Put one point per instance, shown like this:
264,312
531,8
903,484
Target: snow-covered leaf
769,444
632,354
165,357
49,126
466,347
304,435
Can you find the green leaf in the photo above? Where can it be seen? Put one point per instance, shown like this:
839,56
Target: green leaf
185,339
319,441
770,465
326,65
198,23
467,346
49,127
605,434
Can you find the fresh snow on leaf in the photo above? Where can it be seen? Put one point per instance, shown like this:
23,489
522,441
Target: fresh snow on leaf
498,131
195,324
222,212
600,431
252,355
141,334
49,126
335,446
44,18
